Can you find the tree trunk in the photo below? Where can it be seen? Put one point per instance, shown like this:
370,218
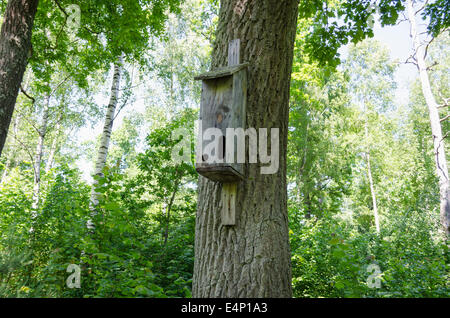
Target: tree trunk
12,150
15,46
53,149
436,130
369,173
38,157
169,209
106,135
55,143
251,258
372,191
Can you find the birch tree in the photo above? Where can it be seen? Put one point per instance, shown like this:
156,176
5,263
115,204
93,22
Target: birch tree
42,131
106,134
371,87
418,59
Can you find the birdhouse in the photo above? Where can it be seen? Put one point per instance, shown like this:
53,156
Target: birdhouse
223,103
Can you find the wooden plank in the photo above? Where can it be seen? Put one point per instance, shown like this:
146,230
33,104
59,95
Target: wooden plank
219,172
223,104
221,72
234,48
216,109
229,192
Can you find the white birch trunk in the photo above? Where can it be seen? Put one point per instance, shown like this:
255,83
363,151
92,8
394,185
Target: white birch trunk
54,145
51,156
436,130
38,158
369,173
106,136
374,197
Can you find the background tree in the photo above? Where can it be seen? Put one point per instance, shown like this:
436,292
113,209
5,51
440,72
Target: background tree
372,88
15,49
420,52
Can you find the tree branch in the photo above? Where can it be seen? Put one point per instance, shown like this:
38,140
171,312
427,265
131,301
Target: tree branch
26,94
25,147
61,8
59,84
431,66
446,101
426,48
423,7
445,118
413,60
27,119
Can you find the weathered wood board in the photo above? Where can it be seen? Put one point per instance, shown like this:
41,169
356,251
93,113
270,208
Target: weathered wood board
229,192
223,105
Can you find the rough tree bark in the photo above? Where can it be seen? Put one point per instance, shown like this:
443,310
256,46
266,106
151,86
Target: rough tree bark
15,47
436,130
13,148
251,258
106,135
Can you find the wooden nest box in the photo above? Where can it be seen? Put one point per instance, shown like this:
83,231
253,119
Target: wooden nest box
223,105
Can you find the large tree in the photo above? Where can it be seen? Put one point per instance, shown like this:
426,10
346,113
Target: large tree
419,55
252,258
15,48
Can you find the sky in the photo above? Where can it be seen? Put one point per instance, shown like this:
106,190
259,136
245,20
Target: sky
399,43
396,38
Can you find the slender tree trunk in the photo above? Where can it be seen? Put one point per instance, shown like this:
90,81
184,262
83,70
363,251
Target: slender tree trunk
106,135
436,130
373,194
304,174
54,147
369,174
169,209
251,258
38,156
51,156
15,47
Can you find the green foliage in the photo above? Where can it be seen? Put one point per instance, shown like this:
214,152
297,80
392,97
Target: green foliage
123,257
331,259
330,207
143,241
336,23
438,11
107,30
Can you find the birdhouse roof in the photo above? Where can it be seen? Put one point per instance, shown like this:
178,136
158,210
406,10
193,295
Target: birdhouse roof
221,72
